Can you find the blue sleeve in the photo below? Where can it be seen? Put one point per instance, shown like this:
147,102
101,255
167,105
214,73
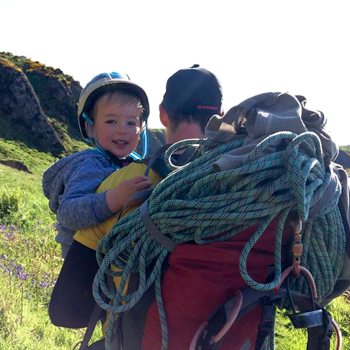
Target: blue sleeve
80,206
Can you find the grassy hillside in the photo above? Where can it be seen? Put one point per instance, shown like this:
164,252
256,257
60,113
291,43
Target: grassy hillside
29,257
30,262
346,149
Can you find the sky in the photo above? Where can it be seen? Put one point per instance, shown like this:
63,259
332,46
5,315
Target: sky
252,46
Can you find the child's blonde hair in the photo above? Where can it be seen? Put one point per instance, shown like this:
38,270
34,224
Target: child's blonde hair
123,97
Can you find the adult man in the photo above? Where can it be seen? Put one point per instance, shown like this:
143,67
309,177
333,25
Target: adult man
192,96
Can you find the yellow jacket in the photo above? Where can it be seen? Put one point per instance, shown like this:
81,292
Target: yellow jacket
90,237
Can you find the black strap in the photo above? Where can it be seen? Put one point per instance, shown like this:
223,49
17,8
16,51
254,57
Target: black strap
153,230
96,315
267,322
319,337
153,162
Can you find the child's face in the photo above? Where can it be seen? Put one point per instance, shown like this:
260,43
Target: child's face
117,126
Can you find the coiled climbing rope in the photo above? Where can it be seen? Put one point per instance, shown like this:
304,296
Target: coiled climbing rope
201,200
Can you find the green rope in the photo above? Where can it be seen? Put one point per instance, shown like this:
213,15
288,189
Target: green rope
199,201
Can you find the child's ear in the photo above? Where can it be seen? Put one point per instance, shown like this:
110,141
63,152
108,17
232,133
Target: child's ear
163,116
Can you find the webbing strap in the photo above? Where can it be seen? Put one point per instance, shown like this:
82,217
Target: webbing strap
267,323
319,337
328,193
153,231
160,151
96,315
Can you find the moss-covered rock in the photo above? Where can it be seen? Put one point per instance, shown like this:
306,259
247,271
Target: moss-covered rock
38,107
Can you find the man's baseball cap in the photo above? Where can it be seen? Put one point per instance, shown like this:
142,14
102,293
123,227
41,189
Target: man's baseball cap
193,90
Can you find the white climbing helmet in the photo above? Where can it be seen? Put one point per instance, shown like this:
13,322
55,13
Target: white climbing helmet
103,82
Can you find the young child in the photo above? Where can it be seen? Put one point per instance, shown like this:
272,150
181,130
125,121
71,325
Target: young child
112,112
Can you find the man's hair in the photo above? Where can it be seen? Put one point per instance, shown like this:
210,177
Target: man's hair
176,118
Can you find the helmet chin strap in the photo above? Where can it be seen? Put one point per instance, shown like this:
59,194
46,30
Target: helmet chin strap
144,145
144,141
91,139
90,131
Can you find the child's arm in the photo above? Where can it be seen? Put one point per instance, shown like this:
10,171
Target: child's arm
117,197
79,206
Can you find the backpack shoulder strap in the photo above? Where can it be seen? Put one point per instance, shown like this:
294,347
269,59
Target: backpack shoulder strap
157,162
96,315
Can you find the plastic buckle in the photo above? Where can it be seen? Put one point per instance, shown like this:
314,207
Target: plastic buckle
307,319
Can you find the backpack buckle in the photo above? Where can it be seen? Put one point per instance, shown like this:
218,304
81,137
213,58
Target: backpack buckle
307,319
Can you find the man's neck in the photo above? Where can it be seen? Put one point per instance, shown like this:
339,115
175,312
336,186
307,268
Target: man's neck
184,131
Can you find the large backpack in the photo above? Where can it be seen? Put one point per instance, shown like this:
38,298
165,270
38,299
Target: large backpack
306,311
278,129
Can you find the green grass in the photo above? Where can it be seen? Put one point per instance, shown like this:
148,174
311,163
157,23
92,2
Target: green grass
36,161
71,143
345,148
18,146
29,265
30,262
290,338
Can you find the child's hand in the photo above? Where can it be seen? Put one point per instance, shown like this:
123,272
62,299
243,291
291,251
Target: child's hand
117,197
127,188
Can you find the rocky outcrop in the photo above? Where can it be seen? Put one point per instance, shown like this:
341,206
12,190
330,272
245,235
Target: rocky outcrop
58,95
21,107
15,164
38,106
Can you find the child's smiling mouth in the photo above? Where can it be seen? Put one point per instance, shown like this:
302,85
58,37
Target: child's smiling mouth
120,142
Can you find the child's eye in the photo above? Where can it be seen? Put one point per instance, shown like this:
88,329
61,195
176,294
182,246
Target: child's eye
131,123
111,121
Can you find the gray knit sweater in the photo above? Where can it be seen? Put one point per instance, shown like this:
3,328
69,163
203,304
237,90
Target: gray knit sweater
70,186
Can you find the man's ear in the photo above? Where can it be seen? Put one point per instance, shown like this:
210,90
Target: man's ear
163,116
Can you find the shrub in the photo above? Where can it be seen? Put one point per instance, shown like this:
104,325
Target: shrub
9,204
